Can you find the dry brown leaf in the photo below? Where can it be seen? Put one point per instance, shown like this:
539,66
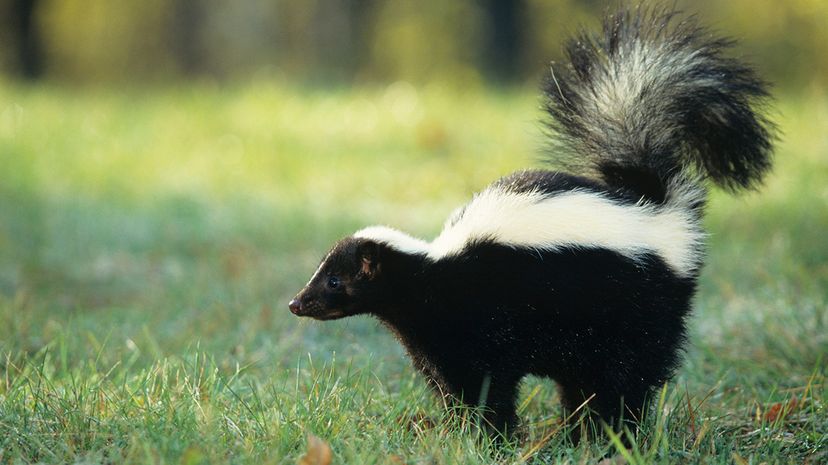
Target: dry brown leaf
780,411
319,452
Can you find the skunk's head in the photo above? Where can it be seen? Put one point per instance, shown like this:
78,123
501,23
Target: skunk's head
347,282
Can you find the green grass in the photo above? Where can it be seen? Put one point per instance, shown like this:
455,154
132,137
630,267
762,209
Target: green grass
149,240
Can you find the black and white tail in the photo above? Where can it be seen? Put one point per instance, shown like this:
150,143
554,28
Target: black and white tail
653,103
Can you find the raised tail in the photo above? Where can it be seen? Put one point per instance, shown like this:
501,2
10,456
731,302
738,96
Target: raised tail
654,97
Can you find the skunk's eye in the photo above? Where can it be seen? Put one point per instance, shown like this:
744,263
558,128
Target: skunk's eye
333,282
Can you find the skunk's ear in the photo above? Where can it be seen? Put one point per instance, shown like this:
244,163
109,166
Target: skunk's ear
369,258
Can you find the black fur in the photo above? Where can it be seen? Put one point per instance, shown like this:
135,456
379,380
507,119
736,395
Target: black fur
476,323
603,325
552,183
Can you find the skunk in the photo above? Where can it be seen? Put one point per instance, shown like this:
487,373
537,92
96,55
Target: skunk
584,275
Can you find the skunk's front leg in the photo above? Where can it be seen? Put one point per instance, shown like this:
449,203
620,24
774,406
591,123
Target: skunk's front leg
494,391
499,403
494,394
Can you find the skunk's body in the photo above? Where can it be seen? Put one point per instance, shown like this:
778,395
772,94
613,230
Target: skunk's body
586,275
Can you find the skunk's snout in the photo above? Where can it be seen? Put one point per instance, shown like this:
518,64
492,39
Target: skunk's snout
295,306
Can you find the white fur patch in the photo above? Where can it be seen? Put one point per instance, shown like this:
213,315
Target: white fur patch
620,91
394,238
318,269
571,219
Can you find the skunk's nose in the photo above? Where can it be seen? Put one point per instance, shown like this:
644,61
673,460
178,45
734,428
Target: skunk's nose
295,306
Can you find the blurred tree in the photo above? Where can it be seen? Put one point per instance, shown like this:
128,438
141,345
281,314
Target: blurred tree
187,19
27,42
343,30
502,50
418,41
362,17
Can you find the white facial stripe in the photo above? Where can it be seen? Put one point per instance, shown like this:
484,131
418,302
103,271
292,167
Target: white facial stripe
571,219
393,238
319,269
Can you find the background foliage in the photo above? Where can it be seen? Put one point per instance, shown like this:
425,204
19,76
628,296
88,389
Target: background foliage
369,40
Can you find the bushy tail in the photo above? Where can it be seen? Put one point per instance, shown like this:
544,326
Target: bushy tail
653,96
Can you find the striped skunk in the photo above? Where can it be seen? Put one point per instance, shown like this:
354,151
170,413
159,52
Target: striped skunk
584,275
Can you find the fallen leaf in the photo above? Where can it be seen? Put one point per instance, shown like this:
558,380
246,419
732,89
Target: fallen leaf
319,452
781,410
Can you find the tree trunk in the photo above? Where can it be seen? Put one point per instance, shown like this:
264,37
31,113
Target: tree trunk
501,54
27,43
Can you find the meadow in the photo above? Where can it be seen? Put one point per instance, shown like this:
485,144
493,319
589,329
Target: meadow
151,237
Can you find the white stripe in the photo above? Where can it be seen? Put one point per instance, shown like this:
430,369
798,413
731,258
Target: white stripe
319,268
394,238
571,219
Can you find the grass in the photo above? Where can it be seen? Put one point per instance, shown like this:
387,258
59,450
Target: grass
149,239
